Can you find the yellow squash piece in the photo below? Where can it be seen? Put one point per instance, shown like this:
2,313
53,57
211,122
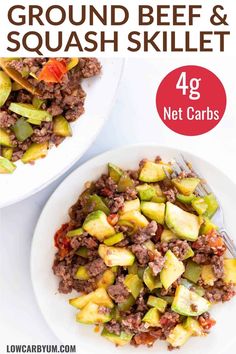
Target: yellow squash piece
116,256
178,336
172,270
154,172
135,217
229,271
5,87
90,314
99,297
34,152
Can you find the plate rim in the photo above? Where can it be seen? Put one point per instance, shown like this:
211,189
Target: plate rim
91,160
76,159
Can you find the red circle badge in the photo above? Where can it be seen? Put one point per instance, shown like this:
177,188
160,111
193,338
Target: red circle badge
191,100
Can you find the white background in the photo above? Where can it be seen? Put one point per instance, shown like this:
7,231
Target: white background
133,120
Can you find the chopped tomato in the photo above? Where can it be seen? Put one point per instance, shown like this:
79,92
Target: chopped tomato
206,323
61,241
144,338
53,71
113,219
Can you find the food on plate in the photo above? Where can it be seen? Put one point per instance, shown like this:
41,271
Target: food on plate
144,256
39,98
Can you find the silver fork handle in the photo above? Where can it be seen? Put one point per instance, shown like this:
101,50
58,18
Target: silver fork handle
228,242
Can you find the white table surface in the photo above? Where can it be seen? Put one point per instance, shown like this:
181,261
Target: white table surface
133,120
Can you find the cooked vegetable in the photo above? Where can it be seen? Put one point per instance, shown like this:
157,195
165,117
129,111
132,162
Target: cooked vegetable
5,139
186,199
189,303
37,102
29,111
151,281
229,271
182,223
186,186
178,336
72,63
131,205
154,211
98,297
95,202
168,236
193,326
172,270
5,87
133,284
82,273
157,302
207,226
22,129
90,314
208,275
146,191
7,152
135,217
6,166
116,256
76,232
127,304
122,339
192,271
199,205
61,126
106,279
112,240
125,182
114,172
153,172
152,317
212,204
34,152
96,225
53,71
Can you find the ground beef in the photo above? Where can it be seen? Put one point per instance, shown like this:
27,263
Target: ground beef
208,244
141,253
171,194
43,133
218,266
89,67
130,194
179,248
113,327
132,322
220,292
96,267
168,321
141,303
144,234
116,204
6,120
157,263
118,292
104,310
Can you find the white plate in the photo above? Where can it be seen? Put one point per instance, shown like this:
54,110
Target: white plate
27,179
59,315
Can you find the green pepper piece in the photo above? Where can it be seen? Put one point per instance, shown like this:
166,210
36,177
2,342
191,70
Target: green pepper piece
114,172
125,182
112,240
7,153
5,87
189,253
133,284
186,199
34,152
157,302
29,111
199,205
61,126
82,252
22,129
213,205
76,232
127,304
82,273
5,139
151,281
192,271
6,166
96,203
37,102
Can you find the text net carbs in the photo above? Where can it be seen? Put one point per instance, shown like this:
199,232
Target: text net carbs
123,27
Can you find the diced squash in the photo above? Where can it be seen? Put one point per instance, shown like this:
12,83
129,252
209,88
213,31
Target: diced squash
116,256
107,279
192,271
172,270
96,225
178,336
122,339
158,303
152,317
114,172
151,281
154,211
131,205
134,284
229,271
154,172
135,217
168,236
99,297
208,275
90,314
186,186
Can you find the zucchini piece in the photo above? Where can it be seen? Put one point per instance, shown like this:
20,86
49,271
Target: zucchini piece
191,286
192,271
7,153
116,256
6,166
168,236
151,281
178,336
133,284
172,270
186,186
146,192
149,245
152,317
37,102
82,273
135,217
127,304
154,211
133,269
213,205
22,129
5,87
90,314
114,172
154,172
208,275
183,224
5,139
186,199
112,240
189,303
76,232
125,182
157,302
193,326
34,152
96,225
131,205
61,126
106,279
29,111
207,226
199,205
189,253
229,271
82,252
122,339
98,297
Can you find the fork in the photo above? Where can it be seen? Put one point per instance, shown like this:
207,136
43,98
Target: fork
181,165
